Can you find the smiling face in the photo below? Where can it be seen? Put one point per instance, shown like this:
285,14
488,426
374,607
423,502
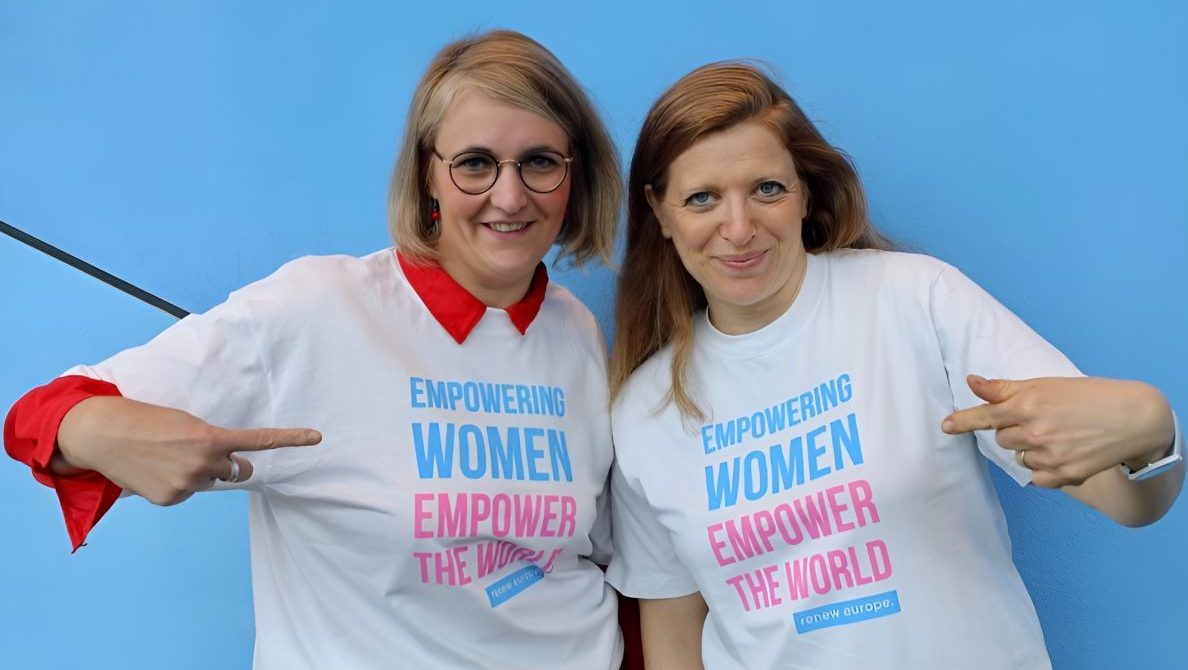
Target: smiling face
733,209
491,243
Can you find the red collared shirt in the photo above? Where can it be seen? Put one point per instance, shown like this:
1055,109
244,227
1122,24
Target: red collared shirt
456,309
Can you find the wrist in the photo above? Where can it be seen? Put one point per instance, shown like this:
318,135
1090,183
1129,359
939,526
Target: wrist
1154,411
1167,461
1143,460
71,453
62,467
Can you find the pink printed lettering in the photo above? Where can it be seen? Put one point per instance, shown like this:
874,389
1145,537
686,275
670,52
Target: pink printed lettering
420,516
863,499
837,570
880,559
836,507
550,515
716,545
501,515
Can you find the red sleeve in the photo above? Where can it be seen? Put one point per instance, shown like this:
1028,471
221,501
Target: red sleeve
31,437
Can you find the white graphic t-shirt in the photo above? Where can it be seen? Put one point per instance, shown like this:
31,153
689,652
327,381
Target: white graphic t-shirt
448,518
819,509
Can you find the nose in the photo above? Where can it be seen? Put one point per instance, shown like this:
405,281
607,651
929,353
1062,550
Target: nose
739,227
509,193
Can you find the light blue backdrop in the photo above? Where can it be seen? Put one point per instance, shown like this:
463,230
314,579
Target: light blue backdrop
192,147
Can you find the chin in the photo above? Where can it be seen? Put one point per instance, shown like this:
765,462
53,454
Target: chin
511,267
742,295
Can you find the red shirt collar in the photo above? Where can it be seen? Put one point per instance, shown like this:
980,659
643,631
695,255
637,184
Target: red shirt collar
456,309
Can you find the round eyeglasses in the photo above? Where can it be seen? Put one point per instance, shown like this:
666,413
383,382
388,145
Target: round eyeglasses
475,172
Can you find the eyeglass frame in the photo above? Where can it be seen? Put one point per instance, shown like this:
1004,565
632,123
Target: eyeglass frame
567,160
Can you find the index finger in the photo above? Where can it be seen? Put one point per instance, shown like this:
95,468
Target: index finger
262,439
987,416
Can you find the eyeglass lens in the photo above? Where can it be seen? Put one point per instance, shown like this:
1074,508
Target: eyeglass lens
476,172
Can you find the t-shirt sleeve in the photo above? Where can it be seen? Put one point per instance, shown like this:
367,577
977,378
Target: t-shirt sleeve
209,365
600,532
645,564
978,335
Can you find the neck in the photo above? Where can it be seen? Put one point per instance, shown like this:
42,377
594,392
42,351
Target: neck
742,319
498,294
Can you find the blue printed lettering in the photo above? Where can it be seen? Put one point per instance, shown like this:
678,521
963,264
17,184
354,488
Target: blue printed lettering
498,453
559,455
815,452
722,486
506,462
470,446
433,458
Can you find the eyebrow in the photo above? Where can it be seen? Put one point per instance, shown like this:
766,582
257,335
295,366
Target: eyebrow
540,148
710,185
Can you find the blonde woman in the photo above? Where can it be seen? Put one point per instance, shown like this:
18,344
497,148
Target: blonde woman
440,503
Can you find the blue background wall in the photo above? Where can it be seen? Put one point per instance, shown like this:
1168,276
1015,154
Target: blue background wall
192,147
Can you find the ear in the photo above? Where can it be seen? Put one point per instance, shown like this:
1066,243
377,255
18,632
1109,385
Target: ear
431,185
654,204
428,159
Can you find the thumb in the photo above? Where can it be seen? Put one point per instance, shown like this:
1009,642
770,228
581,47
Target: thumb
238,469
992,390
244,472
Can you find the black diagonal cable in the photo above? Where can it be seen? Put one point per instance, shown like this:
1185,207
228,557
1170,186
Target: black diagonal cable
105,277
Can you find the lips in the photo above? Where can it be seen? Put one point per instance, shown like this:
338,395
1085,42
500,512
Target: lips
743,261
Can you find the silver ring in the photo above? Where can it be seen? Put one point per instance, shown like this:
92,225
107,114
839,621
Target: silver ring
1021,458
232,478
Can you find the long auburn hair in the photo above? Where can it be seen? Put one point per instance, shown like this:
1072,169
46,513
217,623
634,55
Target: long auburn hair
656,297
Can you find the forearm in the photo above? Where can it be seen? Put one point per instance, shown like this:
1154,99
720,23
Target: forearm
94,432
671,630
78,435
1127,502
1138,503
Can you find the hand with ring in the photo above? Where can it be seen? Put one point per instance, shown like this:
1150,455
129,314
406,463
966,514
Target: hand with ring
1066,430
164,455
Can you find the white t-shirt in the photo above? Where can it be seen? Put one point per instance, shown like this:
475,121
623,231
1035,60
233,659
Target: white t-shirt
448,518
820,510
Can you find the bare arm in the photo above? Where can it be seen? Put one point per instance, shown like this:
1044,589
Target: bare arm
672,632
162,454
1129,503
1074,433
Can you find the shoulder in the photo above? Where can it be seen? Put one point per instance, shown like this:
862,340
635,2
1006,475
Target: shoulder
885,265
873,275
645,395
311,280
563,314
316,274
646,422
561,303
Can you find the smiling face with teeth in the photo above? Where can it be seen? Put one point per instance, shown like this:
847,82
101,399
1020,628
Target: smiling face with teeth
491,243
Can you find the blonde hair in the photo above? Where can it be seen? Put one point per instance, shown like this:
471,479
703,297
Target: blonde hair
657,298
512,69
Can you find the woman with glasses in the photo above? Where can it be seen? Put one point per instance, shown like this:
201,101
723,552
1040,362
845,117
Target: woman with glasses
793,487
434,497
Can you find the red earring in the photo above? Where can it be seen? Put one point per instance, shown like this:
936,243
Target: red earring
435,213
